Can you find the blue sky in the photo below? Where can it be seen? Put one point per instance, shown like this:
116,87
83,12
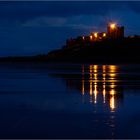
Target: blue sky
30,28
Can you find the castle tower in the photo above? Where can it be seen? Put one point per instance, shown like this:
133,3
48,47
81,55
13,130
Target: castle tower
114,31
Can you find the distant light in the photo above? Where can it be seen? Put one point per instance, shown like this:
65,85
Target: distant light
83,38
95,35
104,34
113,25
91,37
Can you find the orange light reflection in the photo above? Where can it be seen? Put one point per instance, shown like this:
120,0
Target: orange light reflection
112,103
104,92
95,93
83,87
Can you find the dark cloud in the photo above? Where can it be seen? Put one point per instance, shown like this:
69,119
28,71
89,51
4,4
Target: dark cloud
23,10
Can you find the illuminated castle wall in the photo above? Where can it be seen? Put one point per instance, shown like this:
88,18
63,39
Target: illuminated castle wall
113,32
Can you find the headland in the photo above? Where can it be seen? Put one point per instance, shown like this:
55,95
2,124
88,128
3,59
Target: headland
105,47
98,47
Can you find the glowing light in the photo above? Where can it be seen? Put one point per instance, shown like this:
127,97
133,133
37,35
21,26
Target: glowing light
112,98
112,92
90,92
104,77
83,81
112,68
104,73
104,84
112,103
113,25
104,93
83,38
83,87
96,35
90,69
112,75
91,37
90,79
104,34
95,93
95,77
104,68
95,67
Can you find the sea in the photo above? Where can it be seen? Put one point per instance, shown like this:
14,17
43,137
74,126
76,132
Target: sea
71,101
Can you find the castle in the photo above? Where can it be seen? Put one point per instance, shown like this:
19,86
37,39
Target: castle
113,32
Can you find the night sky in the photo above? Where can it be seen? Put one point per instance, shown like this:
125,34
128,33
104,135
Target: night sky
30,28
